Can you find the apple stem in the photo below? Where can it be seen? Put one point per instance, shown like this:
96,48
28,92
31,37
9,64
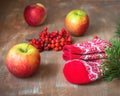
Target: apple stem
27,48
78,14
24,50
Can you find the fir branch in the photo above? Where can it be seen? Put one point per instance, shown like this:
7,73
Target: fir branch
118,28
111,66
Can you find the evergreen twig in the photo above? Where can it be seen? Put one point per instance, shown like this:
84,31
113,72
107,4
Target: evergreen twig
111,66
118,28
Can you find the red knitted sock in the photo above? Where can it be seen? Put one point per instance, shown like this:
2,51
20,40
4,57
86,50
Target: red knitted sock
81,72
68,56
96,45
78,71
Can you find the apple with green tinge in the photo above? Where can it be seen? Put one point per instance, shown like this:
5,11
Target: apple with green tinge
23,60
77,22
35,14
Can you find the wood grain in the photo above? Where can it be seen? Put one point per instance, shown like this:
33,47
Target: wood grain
49,79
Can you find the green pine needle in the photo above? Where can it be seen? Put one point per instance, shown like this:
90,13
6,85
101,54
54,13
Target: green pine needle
111,66
118,28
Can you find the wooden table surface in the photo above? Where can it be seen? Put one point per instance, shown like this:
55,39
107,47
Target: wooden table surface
49,79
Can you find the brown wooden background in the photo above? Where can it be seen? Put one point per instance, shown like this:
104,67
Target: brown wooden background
49,79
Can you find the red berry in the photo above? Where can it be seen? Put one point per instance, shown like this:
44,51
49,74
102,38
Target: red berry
59,37
56,44
56,49
67,35
60,33
69,39
57,40
49,45
95,37
45,33
33,40
54,40
63,30
56,32
46,39
40,34
36,46
46,48
62,39
60,48
62,43
45,28
52,45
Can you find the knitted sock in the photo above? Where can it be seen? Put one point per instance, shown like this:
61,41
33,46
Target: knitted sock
83,60
96,45
68,56
81,72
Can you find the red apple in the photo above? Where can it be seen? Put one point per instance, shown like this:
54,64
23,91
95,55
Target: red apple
35,14
76,22
23,60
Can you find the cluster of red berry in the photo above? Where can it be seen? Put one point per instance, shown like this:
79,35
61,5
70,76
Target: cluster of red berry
51,40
